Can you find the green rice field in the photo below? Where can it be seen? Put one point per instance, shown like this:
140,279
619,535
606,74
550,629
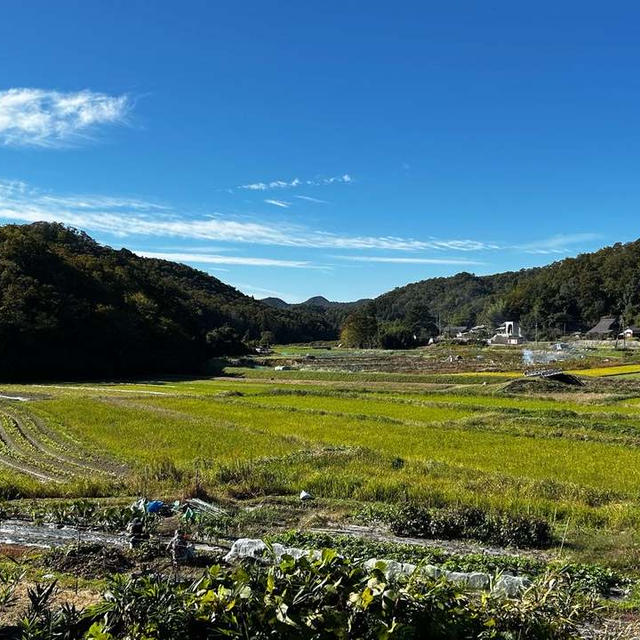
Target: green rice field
568,456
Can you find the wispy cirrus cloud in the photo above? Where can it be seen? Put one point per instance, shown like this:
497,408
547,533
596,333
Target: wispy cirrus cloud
46,118
310,199
461,245
278,203
289,184
557,244
101,203
403,260
10,188
134,217
260,292
199,258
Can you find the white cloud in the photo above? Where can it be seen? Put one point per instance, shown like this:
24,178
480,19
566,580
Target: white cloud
101,203
10,188
557,244
278,203
288,184
199,258
265,186
452,261
462,245
260,292
310,199
133,217
45,118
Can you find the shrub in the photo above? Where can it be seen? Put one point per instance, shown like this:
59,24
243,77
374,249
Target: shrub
470,522
86,514
518,530
305,599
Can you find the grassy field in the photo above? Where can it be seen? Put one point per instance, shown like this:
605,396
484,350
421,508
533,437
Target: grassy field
569,455
520,475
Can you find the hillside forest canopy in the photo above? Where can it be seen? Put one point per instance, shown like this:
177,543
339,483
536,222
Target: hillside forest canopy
564,297
70,307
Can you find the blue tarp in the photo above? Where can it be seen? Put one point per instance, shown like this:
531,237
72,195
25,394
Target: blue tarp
154,506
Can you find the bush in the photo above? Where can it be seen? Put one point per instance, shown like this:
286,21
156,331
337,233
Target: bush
86,514
470,522
519,531
225,341
308,600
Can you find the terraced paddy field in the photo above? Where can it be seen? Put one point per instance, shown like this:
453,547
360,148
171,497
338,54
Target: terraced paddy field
571,454
515,474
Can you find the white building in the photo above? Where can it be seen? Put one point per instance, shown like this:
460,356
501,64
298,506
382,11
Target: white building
508,333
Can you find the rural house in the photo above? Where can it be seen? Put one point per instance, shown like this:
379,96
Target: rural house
451,331
607,327
508,333
631,332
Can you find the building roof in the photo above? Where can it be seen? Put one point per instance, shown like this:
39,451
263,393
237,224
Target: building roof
453,329
606,324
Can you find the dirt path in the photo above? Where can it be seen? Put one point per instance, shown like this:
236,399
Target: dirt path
21,533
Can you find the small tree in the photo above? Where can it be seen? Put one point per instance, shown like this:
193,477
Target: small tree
266,338
495,313
395,335
225,341
360,330
628,303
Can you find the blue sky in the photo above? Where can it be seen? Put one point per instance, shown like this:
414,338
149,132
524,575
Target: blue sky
335,148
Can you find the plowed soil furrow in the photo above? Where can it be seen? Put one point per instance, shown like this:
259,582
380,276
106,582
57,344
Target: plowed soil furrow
26,461
30,471
7,440
32,449
23,446
78,465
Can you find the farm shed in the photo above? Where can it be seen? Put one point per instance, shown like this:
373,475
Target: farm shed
607,327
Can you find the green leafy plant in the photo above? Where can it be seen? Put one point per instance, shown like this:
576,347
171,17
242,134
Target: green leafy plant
309,599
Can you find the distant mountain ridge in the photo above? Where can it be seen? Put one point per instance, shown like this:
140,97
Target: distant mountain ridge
319,302
70,307
565,296
275,303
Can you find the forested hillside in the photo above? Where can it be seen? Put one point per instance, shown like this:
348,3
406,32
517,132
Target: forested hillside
569,295
71,307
